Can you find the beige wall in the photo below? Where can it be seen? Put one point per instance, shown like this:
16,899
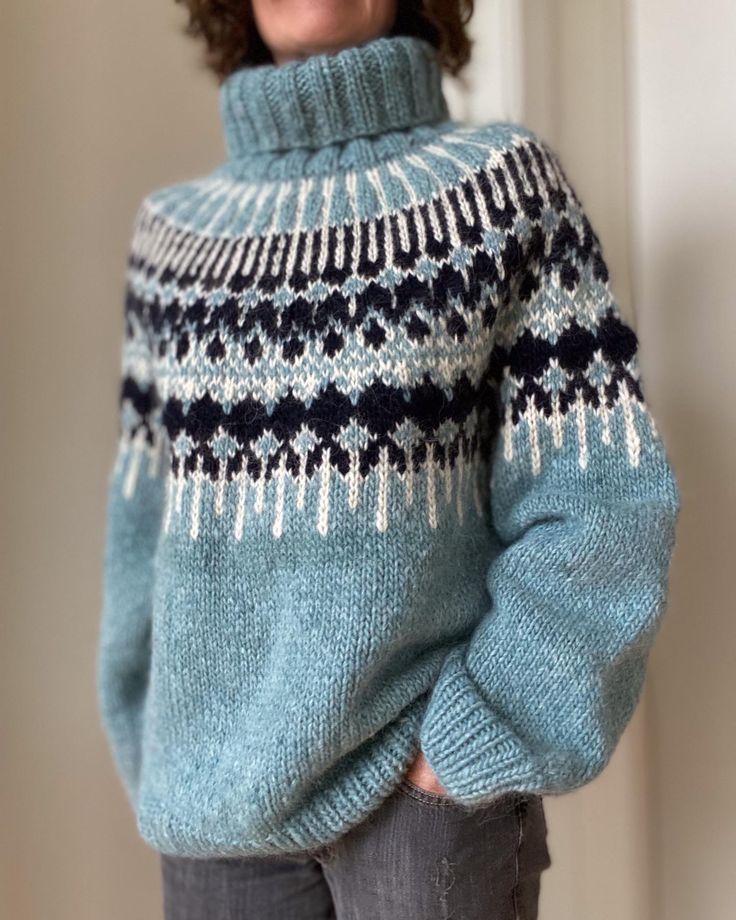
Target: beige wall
103,102
683,74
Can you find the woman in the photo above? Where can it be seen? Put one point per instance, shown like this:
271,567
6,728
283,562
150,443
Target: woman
390,521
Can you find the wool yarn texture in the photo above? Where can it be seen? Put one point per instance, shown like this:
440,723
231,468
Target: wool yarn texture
386,477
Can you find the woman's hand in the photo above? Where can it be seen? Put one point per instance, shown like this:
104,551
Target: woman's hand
421,774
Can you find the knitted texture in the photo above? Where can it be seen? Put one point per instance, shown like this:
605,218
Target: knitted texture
386,476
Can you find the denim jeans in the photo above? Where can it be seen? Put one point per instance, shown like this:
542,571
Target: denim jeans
418,856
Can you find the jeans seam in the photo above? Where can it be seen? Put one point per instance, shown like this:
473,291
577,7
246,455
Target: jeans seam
520,811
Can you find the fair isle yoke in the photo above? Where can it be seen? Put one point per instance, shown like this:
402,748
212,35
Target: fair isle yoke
273,364
386,475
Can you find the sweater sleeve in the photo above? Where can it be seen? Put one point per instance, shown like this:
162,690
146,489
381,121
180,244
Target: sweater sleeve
583,510
135,499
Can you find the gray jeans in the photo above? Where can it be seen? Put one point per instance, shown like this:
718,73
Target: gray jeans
418,856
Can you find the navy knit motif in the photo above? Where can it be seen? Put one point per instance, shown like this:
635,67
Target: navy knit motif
364,349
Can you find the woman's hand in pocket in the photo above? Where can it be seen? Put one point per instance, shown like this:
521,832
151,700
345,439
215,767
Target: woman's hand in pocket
422,775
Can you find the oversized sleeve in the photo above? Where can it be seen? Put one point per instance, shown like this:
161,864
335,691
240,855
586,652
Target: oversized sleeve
135,500
583,511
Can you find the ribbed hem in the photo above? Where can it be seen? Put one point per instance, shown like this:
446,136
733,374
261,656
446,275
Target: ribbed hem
474,756
389,83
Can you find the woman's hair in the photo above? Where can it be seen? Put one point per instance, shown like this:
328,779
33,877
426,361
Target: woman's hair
232,40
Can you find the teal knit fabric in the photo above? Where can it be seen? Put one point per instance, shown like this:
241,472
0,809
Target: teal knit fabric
386,476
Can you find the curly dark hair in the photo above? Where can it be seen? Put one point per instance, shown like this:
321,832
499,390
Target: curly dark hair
232,41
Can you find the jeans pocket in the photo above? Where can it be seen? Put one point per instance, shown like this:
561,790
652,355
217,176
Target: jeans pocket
504,804
407,787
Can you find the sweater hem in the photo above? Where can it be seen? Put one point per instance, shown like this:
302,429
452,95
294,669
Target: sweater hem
326,817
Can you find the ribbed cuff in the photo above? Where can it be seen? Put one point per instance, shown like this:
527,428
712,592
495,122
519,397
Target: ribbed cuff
472,753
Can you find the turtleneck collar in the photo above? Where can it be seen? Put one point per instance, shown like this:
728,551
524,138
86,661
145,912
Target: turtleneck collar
391,83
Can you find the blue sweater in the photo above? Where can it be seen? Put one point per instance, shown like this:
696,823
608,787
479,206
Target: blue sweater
386,476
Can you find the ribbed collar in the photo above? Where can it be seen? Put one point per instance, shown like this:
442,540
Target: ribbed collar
387,84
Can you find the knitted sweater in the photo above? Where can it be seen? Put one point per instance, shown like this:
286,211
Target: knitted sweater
386,477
